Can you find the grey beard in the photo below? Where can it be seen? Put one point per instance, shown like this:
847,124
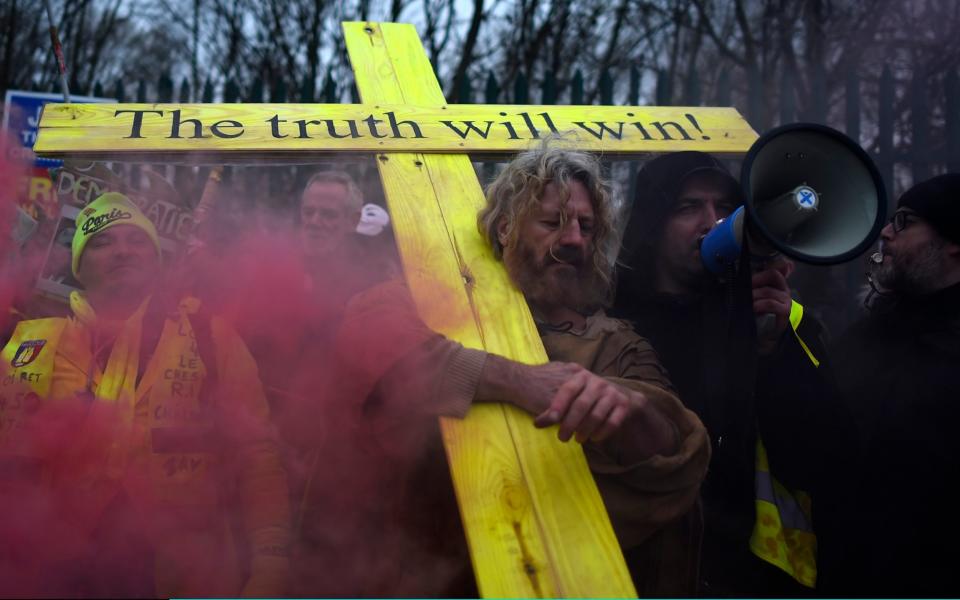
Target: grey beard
914,275
576,289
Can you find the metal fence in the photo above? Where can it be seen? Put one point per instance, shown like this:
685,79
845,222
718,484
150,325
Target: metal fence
926,141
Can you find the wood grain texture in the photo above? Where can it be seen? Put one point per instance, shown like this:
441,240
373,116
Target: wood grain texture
479,129
534,520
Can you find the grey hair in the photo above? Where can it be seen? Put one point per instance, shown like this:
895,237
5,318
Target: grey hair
354,195
518,190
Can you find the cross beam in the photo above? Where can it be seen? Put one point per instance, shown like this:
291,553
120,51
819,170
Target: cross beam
295,129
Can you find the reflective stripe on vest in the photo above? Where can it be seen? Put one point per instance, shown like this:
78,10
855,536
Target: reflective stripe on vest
782,534
173,440
796,315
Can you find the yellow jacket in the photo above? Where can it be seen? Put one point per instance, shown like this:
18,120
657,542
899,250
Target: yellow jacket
185,458
783,531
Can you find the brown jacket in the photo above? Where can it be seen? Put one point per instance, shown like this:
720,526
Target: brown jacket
652,504
400,377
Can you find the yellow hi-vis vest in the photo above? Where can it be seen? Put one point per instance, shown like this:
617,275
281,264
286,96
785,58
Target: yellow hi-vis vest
171,464
27,373
783,534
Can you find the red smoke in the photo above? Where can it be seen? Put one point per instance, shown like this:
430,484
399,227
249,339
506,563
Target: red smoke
14,264
372,506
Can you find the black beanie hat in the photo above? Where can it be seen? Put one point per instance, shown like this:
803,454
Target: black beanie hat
937,200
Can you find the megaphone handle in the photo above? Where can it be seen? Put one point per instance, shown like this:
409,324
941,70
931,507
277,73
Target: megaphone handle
766,325
767,334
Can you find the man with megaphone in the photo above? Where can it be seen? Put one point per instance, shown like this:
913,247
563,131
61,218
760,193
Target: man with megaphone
767,398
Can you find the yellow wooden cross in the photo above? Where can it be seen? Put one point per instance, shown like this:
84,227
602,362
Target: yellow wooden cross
534,520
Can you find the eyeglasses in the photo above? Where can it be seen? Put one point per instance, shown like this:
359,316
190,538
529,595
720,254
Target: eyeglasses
901,219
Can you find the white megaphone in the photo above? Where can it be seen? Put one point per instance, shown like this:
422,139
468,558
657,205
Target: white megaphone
810,192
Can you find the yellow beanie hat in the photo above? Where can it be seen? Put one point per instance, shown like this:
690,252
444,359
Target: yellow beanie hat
106,211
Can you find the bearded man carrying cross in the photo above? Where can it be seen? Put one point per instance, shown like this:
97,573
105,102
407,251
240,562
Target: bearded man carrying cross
548,218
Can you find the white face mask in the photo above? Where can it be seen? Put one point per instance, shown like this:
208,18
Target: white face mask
373,219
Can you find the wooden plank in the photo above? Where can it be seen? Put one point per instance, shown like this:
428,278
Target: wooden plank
497,512
535,522
389,126
506,547
573,522
584,555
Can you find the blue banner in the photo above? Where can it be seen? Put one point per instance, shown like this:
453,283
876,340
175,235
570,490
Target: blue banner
21,117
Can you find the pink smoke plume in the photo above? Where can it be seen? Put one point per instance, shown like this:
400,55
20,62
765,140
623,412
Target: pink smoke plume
373,511
14,262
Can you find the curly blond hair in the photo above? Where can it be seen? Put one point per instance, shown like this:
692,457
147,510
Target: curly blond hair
518,190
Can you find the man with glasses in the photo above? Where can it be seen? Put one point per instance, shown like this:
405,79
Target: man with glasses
898,369
912,261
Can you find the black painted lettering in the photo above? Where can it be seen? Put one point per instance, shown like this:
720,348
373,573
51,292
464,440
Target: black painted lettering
662,127
470,127
603,129
511,130
549,122
395,126
640,128
178,123
137,120
529,122
693,120
302,125
215,129
372,125
275,121
354,131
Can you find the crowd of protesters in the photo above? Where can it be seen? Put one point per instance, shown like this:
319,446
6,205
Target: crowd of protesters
259,416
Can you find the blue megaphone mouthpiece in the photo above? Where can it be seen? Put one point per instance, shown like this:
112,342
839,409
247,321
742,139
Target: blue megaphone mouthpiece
721,247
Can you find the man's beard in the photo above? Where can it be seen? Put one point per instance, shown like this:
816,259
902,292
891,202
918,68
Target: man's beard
578,287
919,272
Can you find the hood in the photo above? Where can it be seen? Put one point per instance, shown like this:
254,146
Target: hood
657,186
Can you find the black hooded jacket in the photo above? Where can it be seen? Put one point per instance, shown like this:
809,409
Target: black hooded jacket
707,342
